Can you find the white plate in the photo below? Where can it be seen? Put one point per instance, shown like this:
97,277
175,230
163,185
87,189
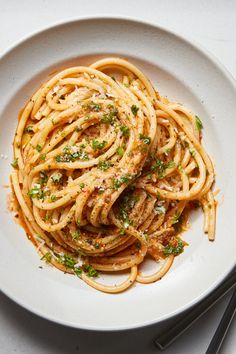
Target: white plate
180,71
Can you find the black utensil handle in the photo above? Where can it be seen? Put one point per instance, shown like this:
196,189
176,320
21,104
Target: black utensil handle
223,327
170,335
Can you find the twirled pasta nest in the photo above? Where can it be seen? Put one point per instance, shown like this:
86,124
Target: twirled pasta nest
105,170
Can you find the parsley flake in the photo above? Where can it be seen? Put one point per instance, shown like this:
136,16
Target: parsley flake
146,139
169,249
198,123
134,109
125,130
15,163
56,177
98,145
38,148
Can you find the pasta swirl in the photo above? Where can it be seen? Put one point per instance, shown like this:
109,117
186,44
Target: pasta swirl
105,170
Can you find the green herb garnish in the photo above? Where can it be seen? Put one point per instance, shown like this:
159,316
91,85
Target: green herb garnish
120,151
175,219
94,106
53,198
29,129
76,235
43,178
98,145
56,177
111,116
192,152
38,148
116,183
47,257
43,157
146,139
198,122
125,130
71,157
161,166
169,249
91,272
36,192
134,109
104,165
78,271
15,163
67,261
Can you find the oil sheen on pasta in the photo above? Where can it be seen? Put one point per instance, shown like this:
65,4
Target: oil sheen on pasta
104,171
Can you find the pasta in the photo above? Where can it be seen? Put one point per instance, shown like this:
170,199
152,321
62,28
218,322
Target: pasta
106,171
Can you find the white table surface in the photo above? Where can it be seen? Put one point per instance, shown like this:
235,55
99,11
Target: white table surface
213,25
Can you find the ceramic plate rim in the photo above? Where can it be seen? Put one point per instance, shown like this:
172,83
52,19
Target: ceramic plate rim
220,67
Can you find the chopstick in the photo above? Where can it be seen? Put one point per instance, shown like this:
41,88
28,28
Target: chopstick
171,334
218,338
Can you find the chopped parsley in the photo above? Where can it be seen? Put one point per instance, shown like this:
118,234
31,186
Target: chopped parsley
36,192
38,148
104,165
170,164
94,106
175,250
43,157
167,151
78,271
56,177
146,139
111,116
28,129
67,261
98,145
120,151
125,130
122,231
116,183
192,152
76,235
48,216
134,109
175,219
15,163
53,198
47,257
177,222
101,190
69,156
43,178
198,123
91,272
180,168
126,203
161,166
